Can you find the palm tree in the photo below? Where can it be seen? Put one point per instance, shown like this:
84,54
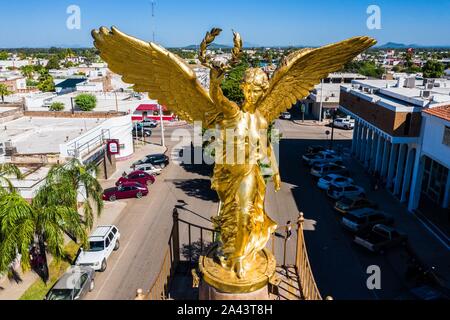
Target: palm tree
4,92
52,214
7,170
16,230
80,178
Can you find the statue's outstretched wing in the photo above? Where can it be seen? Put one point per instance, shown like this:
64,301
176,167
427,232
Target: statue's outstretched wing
303,69
153,69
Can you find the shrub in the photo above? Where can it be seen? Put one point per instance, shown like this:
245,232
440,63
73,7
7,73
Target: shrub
86,102
57,106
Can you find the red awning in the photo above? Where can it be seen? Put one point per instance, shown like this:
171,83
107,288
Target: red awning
149,107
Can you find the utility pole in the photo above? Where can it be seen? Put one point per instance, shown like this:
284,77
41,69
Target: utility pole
163,142
153,20
321,101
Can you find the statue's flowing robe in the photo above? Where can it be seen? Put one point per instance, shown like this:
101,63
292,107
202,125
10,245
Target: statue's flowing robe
245,227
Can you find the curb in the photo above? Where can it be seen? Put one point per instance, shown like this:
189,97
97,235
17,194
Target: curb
308,123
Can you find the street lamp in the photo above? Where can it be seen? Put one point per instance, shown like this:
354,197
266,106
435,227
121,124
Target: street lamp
333,117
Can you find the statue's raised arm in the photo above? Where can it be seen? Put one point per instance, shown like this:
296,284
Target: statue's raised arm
303,69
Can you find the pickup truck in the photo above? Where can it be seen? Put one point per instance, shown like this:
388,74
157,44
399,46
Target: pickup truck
380,238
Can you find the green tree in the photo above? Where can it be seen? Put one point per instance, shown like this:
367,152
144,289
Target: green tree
46,83
433,69
231,85
27,71
86,102
4,91
4,55
76,176
56,106
7,170
52,214
53,63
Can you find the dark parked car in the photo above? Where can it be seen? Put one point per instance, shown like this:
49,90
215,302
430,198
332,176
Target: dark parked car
125,191
141,132
160,160
315,149
380,237
347,204
364,219
323,169
73,285
137,176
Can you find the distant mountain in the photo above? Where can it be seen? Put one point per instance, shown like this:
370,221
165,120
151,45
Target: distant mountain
394,45
213,46
216,46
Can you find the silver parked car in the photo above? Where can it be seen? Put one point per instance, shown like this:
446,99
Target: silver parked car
73,285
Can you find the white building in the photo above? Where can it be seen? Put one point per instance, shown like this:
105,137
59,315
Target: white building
431,176
401,135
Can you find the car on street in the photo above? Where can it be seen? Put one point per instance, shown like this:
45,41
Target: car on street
335,179
73,285
380,238
140,176
344,123
347,204
428,293
150,169
141,132
363,219
160,160
148,123
337,192
125,191
314,149
321,157
102,242
286,116
322,169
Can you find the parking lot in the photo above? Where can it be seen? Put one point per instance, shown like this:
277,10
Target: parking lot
339,265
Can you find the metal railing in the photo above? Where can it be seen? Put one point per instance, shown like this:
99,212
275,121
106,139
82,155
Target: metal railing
307,282
160,288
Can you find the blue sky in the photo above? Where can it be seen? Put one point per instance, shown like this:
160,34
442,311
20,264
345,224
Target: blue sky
31,23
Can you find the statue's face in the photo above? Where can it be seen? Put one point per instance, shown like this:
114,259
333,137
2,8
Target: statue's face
252,93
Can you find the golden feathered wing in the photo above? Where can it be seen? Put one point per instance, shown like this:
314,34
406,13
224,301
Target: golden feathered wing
153,69
303,69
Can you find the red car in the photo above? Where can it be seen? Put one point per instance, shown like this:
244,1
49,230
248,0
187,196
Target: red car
125,191
137,176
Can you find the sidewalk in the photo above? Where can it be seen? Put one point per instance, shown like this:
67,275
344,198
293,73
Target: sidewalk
10,290
313,123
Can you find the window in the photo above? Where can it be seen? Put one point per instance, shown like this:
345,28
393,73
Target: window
114,230
108,242
407,124
446,138
111,236
83,279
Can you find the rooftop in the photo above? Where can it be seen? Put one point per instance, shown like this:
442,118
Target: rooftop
44,135
394,94
440,112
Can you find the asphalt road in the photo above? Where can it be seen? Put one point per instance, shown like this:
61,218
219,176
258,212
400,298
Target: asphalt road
339,266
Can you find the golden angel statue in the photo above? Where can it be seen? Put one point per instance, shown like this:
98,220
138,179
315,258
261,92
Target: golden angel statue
245,228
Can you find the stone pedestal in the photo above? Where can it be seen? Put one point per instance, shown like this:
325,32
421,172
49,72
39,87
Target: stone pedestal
207,292
221,283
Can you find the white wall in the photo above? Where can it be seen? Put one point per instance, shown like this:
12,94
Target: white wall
432,139
119,128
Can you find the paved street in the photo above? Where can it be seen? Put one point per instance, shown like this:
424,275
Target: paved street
145,227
